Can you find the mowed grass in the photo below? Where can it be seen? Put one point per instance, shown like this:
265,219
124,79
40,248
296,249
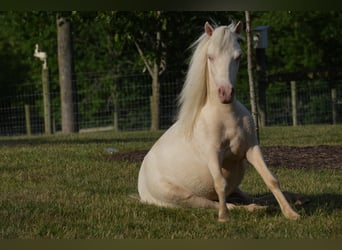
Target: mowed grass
64,187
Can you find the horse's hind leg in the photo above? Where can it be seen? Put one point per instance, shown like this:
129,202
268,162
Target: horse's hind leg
244,200
177,196
200,202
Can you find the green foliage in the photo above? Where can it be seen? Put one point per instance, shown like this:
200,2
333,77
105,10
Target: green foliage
104,51
302,40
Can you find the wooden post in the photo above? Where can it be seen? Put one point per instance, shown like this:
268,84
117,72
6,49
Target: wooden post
53,125
27,119
116,113
334,105
47,101
294,103
115,125
66,76
250,74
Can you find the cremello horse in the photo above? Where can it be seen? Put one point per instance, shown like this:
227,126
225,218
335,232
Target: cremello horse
200,160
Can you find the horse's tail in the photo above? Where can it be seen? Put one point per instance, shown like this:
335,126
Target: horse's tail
134,196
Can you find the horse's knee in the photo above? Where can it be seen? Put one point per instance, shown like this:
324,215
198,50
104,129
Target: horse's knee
220,185
273,183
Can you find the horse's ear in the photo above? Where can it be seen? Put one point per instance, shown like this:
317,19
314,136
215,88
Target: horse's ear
238,28
208,29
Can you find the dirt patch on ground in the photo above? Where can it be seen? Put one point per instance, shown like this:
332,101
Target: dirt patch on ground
304,157
318,157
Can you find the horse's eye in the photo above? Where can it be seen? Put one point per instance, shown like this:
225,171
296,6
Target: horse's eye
211,58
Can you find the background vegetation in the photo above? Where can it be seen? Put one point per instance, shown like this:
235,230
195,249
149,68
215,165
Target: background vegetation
106,56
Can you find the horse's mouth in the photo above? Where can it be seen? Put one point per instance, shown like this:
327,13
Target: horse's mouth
226,95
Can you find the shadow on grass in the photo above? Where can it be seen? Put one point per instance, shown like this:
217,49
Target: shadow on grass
309,204
325,202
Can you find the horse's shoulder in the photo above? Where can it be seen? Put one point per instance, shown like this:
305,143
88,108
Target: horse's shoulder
247,121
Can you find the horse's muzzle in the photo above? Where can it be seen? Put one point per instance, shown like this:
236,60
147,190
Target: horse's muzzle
226,94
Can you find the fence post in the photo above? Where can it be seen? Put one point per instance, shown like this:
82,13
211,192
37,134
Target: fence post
46,98
53,125
27,119
334,104
116,120
294,103
115,125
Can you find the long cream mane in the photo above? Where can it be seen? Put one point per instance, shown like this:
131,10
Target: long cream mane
193,95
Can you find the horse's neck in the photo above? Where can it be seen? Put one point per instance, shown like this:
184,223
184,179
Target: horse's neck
222,111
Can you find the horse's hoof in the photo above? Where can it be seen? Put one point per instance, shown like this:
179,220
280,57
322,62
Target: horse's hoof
252,207
223,218
302,201
293,216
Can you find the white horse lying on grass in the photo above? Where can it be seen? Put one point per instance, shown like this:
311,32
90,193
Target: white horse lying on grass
200,160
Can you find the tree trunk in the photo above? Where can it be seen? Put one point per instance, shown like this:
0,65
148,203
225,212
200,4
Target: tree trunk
250,73
155,103
155,91
67,83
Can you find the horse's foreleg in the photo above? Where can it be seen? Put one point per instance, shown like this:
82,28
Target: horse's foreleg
220,185
254,156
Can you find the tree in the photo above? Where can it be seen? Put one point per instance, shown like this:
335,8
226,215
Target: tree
156,65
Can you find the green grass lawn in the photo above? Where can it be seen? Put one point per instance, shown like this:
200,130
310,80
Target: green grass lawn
64,187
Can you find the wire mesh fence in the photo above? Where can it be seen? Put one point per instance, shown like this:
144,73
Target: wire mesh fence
123,103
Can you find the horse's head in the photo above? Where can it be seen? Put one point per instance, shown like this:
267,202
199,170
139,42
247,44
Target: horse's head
223,56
